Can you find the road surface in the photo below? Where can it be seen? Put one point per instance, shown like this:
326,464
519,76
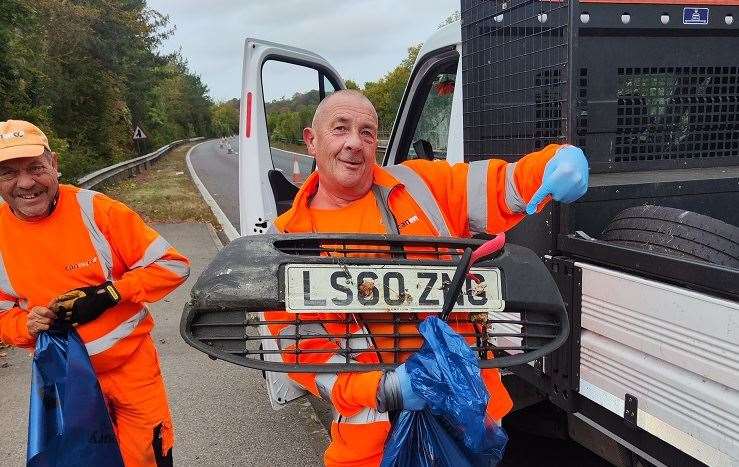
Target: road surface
219,171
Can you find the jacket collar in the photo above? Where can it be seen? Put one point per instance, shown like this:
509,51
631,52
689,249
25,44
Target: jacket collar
297,219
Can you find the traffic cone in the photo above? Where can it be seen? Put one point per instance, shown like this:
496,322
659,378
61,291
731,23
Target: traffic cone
296,171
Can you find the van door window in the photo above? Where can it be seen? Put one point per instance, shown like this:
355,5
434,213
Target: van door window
291,94
432,131
422,128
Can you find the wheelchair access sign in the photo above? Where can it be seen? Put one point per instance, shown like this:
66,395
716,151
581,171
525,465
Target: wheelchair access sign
695,15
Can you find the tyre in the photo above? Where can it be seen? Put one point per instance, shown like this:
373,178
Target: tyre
677,233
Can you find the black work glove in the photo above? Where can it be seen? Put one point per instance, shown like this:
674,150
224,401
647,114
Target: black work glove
83,305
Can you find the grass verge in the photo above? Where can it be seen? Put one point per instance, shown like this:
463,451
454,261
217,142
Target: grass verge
299,148
165,193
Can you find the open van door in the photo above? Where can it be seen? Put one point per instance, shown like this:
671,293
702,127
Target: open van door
281,86
429,120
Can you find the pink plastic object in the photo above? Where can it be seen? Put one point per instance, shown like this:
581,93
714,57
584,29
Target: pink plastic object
485,250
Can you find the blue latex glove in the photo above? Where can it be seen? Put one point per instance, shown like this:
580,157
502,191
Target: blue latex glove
411,400
565,178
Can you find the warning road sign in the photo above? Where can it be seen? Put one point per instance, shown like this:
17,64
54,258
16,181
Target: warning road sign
138,134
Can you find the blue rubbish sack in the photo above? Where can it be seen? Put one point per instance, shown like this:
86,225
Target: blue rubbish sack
68,421
453,429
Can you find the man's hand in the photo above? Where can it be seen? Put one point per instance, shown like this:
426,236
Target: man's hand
83,305
565,178
39,319
396,392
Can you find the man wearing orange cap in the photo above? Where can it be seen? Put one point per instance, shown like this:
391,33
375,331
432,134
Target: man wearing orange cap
76,255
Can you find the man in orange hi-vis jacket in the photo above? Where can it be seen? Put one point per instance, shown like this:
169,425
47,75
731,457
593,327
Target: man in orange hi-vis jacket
350,193
96,263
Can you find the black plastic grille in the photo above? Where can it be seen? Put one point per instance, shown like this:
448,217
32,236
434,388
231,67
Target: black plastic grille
391,337
236,312
677,113
356,248
514,59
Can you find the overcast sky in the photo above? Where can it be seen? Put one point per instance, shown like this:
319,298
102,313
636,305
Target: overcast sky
362,39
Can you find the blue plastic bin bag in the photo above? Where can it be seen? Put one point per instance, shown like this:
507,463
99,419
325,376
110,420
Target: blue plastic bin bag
454,429
68,422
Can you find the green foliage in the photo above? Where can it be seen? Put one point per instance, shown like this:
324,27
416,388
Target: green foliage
285,127
453,17
299,101
286,118
88,72
225,117
387,92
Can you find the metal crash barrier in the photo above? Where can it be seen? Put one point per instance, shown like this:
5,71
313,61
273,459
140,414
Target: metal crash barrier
288,303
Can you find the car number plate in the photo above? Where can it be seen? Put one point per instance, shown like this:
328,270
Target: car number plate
383,288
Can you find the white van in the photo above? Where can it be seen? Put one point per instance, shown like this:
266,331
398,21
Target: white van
651,371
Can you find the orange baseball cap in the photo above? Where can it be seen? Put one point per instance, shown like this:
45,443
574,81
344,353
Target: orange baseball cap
21,139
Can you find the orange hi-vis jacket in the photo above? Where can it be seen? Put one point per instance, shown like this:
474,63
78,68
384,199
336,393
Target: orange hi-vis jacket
417,198
86,240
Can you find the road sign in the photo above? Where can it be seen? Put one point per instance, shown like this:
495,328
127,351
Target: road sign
138,134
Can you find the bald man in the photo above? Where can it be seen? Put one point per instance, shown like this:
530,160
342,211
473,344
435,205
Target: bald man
350,193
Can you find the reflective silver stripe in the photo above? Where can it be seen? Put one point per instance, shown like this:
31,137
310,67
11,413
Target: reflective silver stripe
156,250
422,195
153,254
6,305
179,268
286,336
358,343
101,344
23,303
388,220
477,196
512,197
325,381
325,384
364,417
5,285
99,242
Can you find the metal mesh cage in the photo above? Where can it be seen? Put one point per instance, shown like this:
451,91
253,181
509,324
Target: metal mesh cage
639,86
515,63
673,113
671,104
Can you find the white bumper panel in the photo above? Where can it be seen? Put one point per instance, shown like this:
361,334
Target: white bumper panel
675,350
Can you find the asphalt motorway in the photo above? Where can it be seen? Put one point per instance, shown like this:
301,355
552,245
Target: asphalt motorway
219,171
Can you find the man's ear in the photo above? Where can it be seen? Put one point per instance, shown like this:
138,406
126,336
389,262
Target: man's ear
309,137
55,161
